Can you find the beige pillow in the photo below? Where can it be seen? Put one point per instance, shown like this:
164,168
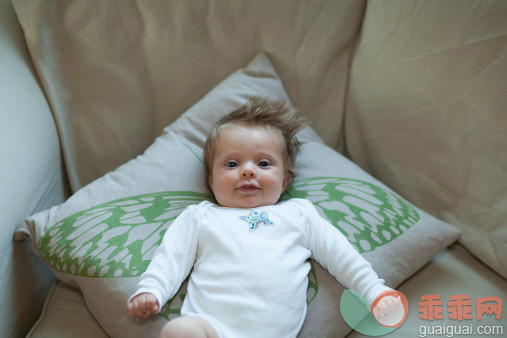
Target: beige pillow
103,237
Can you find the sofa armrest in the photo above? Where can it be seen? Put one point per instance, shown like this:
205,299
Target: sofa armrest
31,176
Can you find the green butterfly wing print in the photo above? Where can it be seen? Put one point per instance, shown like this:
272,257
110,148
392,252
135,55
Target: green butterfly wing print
369,216
114,239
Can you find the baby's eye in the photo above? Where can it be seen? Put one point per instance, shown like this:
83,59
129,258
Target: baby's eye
231,164
263,164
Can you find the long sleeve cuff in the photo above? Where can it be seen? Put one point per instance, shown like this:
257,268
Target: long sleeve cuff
375,292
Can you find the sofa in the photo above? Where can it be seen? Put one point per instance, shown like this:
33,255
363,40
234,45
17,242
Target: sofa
412,92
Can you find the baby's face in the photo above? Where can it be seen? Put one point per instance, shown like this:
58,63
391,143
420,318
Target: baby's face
248,170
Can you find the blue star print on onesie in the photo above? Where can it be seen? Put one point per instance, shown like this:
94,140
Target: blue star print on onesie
256,219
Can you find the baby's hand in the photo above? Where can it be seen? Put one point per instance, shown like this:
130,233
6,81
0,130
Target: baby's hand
142,305
391,309
386,305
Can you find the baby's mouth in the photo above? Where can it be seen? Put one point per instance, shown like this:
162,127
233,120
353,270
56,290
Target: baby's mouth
248,188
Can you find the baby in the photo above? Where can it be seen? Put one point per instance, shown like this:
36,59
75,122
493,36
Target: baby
250,252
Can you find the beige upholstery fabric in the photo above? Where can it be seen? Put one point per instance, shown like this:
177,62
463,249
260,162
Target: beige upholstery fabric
117,72
426,112
65,315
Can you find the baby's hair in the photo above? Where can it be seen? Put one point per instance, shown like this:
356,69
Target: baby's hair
263,113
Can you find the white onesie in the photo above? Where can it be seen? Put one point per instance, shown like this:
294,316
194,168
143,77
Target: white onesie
251,266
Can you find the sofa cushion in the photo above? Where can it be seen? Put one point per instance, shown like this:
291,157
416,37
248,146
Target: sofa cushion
103,237
65,315
426,114
117,72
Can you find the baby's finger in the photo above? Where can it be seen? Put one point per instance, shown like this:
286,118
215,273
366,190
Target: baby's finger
142,305
155,308
151,304
134,308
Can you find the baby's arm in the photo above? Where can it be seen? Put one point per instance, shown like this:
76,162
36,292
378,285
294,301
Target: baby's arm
143,305
170,264
334,252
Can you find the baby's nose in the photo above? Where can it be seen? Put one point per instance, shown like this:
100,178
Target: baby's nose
247,171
